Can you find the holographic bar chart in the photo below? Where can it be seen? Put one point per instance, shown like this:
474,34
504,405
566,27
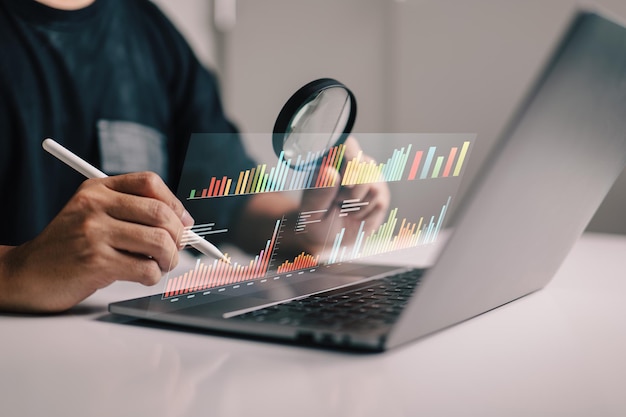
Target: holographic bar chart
263,179
405,163
359,171
424,169
386,238
301,261
219,272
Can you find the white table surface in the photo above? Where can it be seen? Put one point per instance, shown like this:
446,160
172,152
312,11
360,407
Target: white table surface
558,352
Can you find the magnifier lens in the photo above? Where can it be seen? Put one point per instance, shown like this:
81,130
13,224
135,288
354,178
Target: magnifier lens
319,124
317,117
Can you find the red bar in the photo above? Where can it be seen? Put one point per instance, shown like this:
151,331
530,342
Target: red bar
211,185
416,164
168,287
216,189
221,279
212,275
224,181
446,171
320,174
174,287
200,283
331,163
183,284
228,276
204,192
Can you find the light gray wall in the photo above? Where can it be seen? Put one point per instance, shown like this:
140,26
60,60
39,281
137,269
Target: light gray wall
414,65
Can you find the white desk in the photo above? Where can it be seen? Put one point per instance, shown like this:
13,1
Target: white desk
558,352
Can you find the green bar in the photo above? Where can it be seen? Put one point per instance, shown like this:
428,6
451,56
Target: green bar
340,158
437,167
260,178
459,163
264,184
385,230
192,194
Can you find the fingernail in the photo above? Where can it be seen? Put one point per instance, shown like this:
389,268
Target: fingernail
187,220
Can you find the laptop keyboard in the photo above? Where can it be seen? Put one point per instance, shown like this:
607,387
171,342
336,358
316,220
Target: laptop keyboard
357,308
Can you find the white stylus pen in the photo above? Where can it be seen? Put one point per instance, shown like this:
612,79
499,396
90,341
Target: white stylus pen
89,171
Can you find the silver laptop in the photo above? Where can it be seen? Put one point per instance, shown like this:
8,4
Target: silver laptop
534,196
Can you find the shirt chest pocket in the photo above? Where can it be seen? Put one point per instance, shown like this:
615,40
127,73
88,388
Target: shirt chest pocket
130,147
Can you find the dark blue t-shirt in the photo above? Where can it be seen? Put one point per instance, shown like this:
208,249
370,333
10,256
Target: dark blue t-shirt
115,83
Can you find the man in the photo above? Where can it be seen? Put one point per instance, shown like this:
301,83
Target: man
114,82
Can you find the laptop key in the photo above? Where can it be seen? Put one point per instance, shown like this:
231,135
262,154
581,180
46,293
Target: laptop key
369,307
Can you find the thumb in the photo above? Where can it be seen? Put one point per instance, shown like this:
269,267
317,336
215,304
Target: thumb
322,197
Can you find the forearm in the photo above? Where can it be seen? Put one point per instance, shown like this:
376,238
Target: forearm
4,275
12,294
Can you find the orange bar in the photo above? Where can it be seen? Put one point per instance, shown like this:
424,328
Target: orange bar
320,174
239,180
250,180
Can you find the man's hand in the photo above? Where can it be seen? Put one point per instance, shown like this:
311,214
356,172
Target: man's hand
374,196
126,227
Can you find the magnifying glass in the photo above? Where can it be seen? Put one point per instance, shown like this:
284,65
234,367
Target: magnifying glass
317,117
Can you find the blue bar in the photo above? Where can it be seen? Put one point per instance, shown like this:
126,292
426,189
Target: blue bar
359,240
285,175
441,217
430,229
272,179
386,172
429,160
403,162
310,172
293,182
303,174
335,250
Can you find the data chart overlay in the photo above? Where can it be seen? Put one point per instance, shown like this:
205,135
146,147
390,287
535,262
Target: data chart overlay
391,192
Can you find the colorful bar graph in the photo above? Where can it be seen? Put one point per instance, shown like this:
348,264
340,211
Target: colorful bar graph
301,261
388,236
423,164
219,272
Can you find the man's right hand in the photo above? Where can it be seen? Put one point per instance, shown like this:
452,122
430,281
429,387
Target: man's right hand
125,227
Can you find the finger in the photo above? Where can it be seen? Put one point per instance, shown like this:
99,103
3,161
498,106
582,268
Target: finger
377,197
149,184
136,268
352,148
146,211
150,242
357,192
